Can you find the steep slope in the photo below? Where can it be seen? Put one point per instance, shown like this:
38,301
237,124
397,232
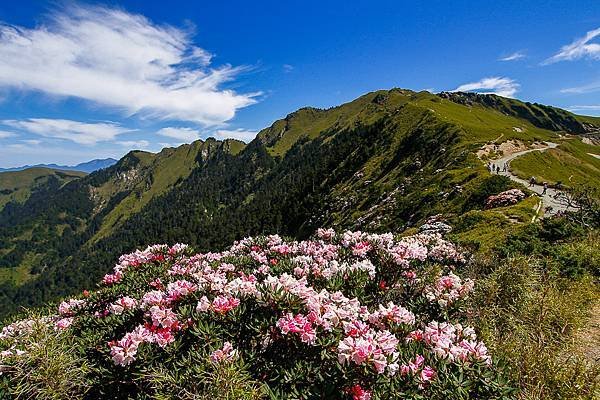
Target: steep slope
382,162
53,226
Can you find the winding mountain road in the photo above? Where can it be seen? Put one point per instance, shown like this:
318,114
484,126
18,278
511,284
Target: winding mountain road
549,201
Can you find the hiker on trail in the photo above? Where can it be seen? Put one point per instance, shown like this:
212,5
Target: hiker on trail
532,181
545,187
504,168
490,167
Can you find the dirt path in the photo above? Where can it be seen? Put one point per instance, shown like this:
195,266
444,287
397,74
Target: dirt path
551,205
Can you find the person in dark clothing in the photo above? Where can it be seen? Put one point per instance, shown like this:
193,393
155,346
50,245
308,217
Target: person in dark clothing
531,181
545,188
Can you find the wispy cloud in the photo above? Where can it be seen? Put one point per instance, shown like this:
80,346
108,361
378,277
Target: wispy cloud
132,144
513,57
589,88
580,48
584,108
501,86
6,134
239,134
79,132
122,60
180,133
288,68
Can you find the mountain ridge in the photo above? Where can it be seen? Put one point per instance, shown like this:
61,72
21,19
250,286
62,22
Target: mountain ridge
384,161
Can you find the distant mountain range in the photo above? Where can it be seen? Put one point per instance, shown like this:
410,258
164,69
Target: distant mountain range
88,167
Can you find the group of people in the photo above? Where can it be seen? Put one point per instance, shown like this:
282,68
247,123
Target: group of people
544,184
496,168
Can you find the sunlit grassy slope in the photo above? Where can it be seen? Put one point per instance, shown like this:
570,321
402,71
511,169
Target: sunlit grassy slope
571,163
17,186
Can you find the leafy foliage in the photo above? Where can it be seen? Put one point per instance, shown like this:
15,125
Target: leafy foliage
353,315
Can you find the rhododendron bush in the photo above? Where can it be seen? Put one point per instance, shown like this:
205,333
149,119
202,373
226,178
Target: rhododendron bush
350,315
503,199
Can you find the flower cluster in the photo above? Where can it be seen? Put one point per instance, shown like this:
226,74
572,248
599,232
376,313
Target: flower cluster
70,307
448,289
503,199
356,297
226,353
220,304
156,253
123,304
451,342
18,328
358,393
298,324
376,348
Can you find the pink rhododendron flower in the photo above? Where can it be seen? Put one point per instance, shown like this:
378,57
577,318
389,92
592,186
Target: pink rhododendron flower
226,353
448,289
122,304
358,393
427,374
64,323
298,324
224,304
68,308
162,317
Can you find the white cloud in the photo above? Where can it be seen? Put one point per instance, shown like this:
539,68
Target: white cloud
513,57
75,131
139,144
122,60
32,142
6,134
580,48
239,134
592,87
288,68
183,134
493,85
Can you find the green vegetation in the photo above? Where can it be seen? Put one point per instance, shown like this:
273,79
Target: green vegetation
18,186
536,290
570,163
52,369
384,162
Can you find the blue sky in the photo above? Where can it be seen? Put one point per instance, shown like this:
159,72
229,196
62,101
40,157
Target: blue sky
83,80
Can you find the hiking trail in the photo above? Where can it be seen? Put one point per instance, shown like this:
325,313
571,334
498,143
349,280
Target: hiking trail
551,204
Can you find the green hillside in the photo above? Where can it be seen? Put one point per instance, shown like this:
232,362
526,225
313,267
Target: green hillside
19,185
571,163
383,162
